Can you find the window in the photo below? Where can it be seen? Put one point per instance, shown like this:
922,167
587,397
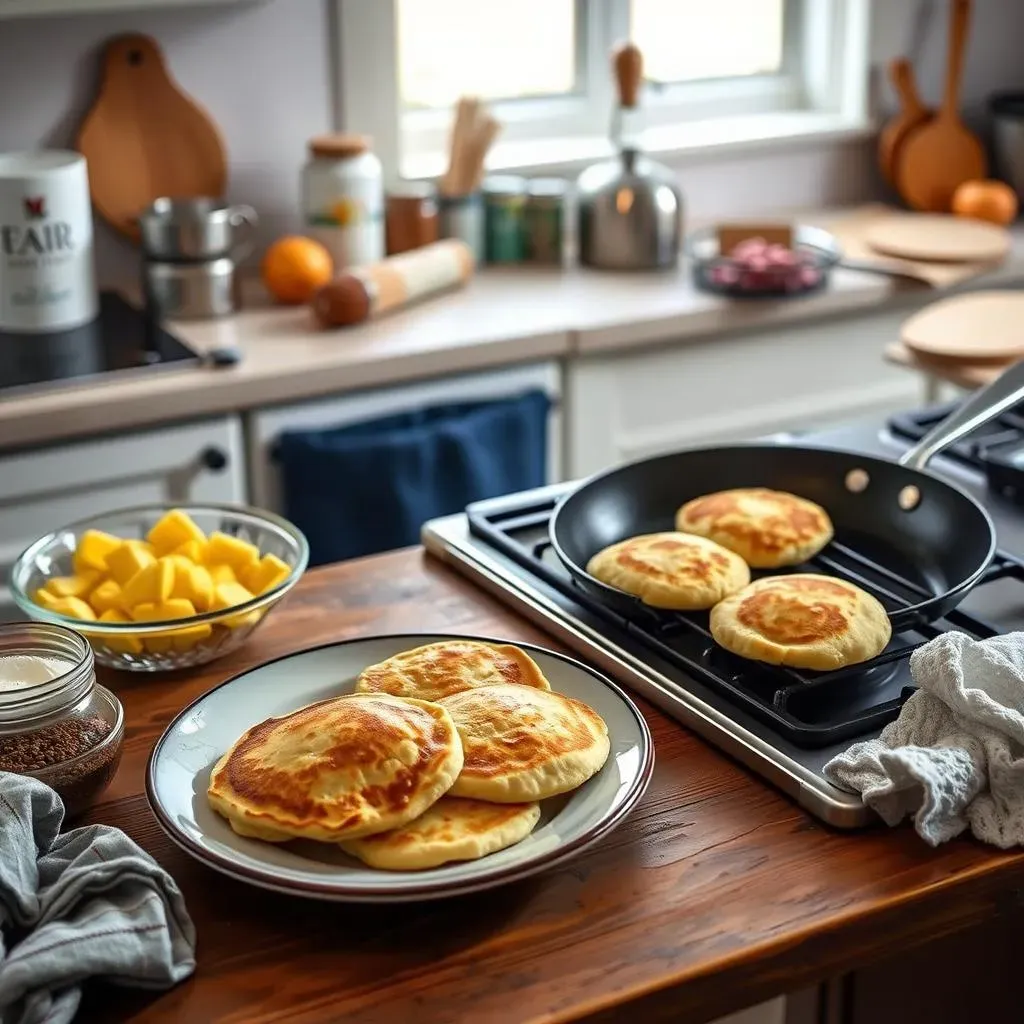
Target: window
716,72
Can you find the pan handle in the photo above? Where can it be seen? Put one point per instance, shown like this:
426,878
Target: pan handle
979,408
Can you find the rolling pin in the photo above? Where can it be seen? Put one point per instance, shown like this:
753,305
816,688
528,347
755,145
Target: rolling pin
362,293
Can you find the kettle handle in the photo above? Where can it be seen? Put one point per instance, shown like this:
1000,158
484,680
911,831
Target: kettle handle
628,65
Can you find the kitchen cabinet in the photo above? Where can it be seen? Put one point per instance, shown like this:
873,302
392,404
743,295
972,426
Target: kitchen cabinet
731,387
265,426
27,8
45,488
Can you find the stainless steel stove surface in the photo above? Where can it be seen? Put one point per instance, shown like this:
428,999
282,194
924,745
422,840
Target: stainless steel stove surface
782,724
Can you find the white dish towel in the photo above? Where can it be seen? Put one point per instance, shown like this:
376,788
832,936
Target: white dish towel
954,759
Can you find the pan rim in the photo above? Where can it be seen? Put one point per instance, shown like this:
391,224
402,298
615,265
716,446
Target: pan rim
901,617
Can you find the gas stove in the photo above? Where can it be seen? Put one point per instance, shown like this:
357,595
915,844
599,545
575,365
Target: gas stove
781,724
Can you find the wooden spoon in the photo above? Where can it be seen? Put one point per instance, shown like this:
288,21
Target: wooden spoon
144,138
912,113
943,153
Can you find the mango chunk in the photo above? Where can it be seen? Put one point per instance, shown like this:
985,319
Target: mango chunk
105,597
78,585
193,550
187,638
191,582
228,595
222,574
127,559
43,597
160,611
126,644
74,607
172,530
92,550
150,585
231,551
266,574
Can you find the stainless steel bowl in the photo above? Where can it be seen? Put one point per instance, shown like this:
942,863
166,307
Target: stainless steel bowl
196,229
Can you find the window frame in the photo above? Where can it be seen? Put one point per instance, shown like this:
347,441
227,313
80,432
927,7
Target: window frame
822,89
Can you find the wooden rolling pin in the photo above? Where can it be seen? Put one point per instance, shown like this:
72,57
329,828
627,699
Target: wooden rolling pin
362,293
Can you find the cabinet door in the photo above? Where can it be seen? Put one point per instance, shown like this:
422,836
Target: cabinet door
266,425
43,489
637,404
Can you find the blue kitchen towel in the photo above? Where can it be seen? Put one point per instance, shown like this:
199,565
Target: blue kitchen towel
368,487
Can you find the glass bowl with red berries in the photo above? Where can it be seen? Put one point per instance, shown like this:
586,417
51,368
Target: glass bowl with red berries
768,264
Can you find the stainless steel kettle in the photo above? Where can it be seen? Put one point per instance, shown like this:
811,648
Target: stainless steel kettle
629,207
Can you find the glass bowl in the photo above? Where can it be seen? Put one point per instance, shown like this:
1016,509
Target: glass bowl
173,643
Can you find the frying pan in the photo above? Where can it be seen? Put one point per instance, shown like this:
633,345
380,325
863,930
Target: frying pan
915,541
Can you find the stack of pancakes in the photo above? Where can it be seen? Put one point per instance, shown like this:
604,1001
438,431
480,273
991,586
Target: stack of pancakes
442,753
804,620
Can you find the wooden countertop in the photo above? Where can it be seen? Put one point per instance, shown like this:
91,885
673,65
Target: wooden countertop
716,893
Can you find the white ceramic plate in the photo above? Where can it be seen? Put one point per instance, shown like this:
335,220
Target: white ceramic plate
181,762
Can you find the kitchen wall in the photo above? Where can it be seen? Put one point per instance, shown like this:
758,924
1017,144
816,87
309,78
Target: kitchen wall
264,71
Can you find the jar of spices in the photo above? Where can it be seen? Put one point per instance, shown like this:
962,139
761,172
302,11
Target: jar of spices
343,199
412,217
504,202
57,723
546,218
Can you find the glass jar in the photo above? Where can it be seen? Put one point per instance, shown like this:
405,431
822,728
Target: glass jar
66,731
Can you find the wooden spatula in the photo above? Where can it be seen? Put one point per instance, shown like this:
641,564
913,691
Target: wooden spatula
912,113
942,154
144,138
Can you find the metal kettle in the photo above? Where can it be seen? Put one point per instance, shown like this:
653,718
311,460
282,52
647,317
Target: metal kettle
629,207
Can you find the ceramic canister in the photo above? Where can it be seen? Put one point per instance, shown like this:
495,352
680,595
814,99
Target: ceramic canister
47,274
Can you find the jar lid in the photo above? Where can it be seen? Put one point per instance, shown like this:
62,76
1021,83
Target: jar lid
340,145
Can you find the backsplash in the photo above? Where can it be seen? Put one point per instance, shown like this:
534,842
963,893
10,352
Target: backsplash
261,70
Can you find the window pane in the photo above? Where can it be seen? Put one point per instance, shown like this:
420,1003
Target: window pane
453,48
684,40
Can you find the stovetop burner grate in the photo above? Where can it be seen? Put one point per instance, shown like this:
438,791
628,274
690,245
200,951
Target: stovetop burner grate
811,709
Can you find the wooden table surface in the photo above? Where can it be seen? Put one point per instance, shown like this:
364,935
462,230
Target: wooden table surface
716,893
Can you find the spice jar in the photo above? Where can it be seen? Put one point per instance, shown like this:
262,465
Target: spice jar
57,723
546,220
504,202
343,199
412,217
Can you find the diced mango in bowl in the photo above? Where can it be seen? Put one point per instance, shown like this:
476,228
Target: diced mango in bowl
177,572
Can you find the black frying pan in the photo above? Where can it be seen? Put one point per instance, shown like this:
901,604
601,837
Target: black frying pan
920,557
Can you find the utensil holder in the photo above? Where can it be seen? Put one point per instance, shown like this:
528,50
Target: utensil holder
462,217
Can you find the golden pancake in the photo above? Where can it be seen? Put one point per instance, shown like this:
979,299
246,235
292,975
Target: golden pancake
802,620
341,768
767,529
522,744
671,570
453,829
436,670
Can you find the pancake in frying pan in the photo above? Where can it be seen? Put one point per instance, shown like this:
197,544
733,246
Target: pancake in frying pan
453,829
802,620
439,669
767,529
522,744
341,768
671,570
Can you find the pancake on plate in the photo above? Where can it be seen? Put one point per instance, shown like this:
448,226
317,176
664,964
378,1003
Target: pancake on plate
452,829
671,570
439,669
802,620
767,529
338,769
522,744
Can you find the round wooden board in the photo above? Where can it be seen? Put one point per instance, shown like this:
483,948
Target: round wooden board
980,327
938,238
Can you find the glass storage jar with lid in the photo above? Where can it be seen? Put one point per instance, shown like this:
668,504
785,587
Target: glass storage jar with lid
57,723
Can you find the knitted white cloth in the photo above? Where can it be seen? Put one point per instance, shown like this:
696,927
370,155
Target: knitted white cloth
954,758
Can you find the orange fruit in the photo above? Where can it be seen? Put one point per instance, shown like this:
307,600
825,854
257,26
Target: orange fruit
986,200
294,268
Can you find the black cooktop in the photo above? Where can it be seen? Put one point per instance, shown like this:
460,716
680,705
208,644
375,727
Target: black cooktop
122,339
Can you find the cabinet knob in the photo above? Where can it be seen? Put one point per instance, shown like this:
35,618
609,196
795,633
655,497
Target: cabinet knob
214,459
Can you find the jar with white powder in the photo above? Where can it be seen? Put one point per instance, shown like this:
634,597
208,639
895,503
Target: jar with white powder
57,723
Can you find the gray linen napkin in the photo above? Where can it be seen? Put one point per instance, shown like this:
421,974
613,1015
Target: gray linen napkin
954,759
79,904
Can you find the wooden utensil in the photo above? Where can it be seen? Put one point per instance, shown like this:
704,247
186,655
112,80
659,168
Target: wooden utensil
938,238
983,327
911,114
473,133
942,153
144,138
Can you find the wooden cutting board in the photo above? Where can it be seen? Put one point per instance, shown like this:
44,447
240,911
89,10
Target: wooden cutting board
912,114
983,327
145,138
957,372
937,237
